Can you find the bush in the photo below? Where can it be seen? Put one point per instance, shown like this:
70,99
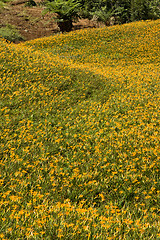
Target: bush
123,11
10,33
109,17
144,9
67,11
154,7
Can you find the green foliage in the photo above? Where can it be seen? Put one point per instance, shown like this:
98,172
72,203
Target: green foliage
111,16
10,33
144,9
67,11
126,10
154,9
103,15
2,5
139,9
108,11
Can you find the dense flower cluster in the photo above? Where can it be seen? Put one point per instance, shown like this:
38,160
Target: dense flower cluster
79,124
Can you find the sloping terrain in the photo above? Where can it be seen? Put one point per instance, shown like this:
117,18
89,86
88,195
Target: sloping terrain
79,127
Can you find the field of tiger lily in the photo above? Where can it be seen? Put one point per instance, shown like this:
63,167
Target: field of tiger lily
80,140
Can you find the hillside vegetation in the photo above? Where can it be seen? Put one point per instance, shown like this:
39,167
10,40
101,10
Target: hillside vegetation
80,135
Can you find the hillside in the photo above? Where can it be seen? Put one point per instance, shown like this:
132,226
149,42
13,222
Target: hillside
79,127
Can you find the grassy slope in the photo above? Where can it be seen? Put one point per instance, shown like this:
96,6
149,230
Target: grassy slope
80,135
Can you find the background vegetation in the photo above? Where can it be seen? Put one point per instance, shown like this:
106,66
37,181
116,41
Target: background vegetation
109,11
79,126
10,33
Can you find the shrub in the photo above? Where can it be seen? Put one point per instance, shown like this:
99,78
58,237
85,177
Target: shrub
10,33
67,11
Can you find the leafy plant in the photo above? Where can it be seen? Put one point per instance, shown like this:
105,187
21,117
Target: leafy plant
67,12
111,16
143,10
154,7
139,9
3,5
10,33
121,11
